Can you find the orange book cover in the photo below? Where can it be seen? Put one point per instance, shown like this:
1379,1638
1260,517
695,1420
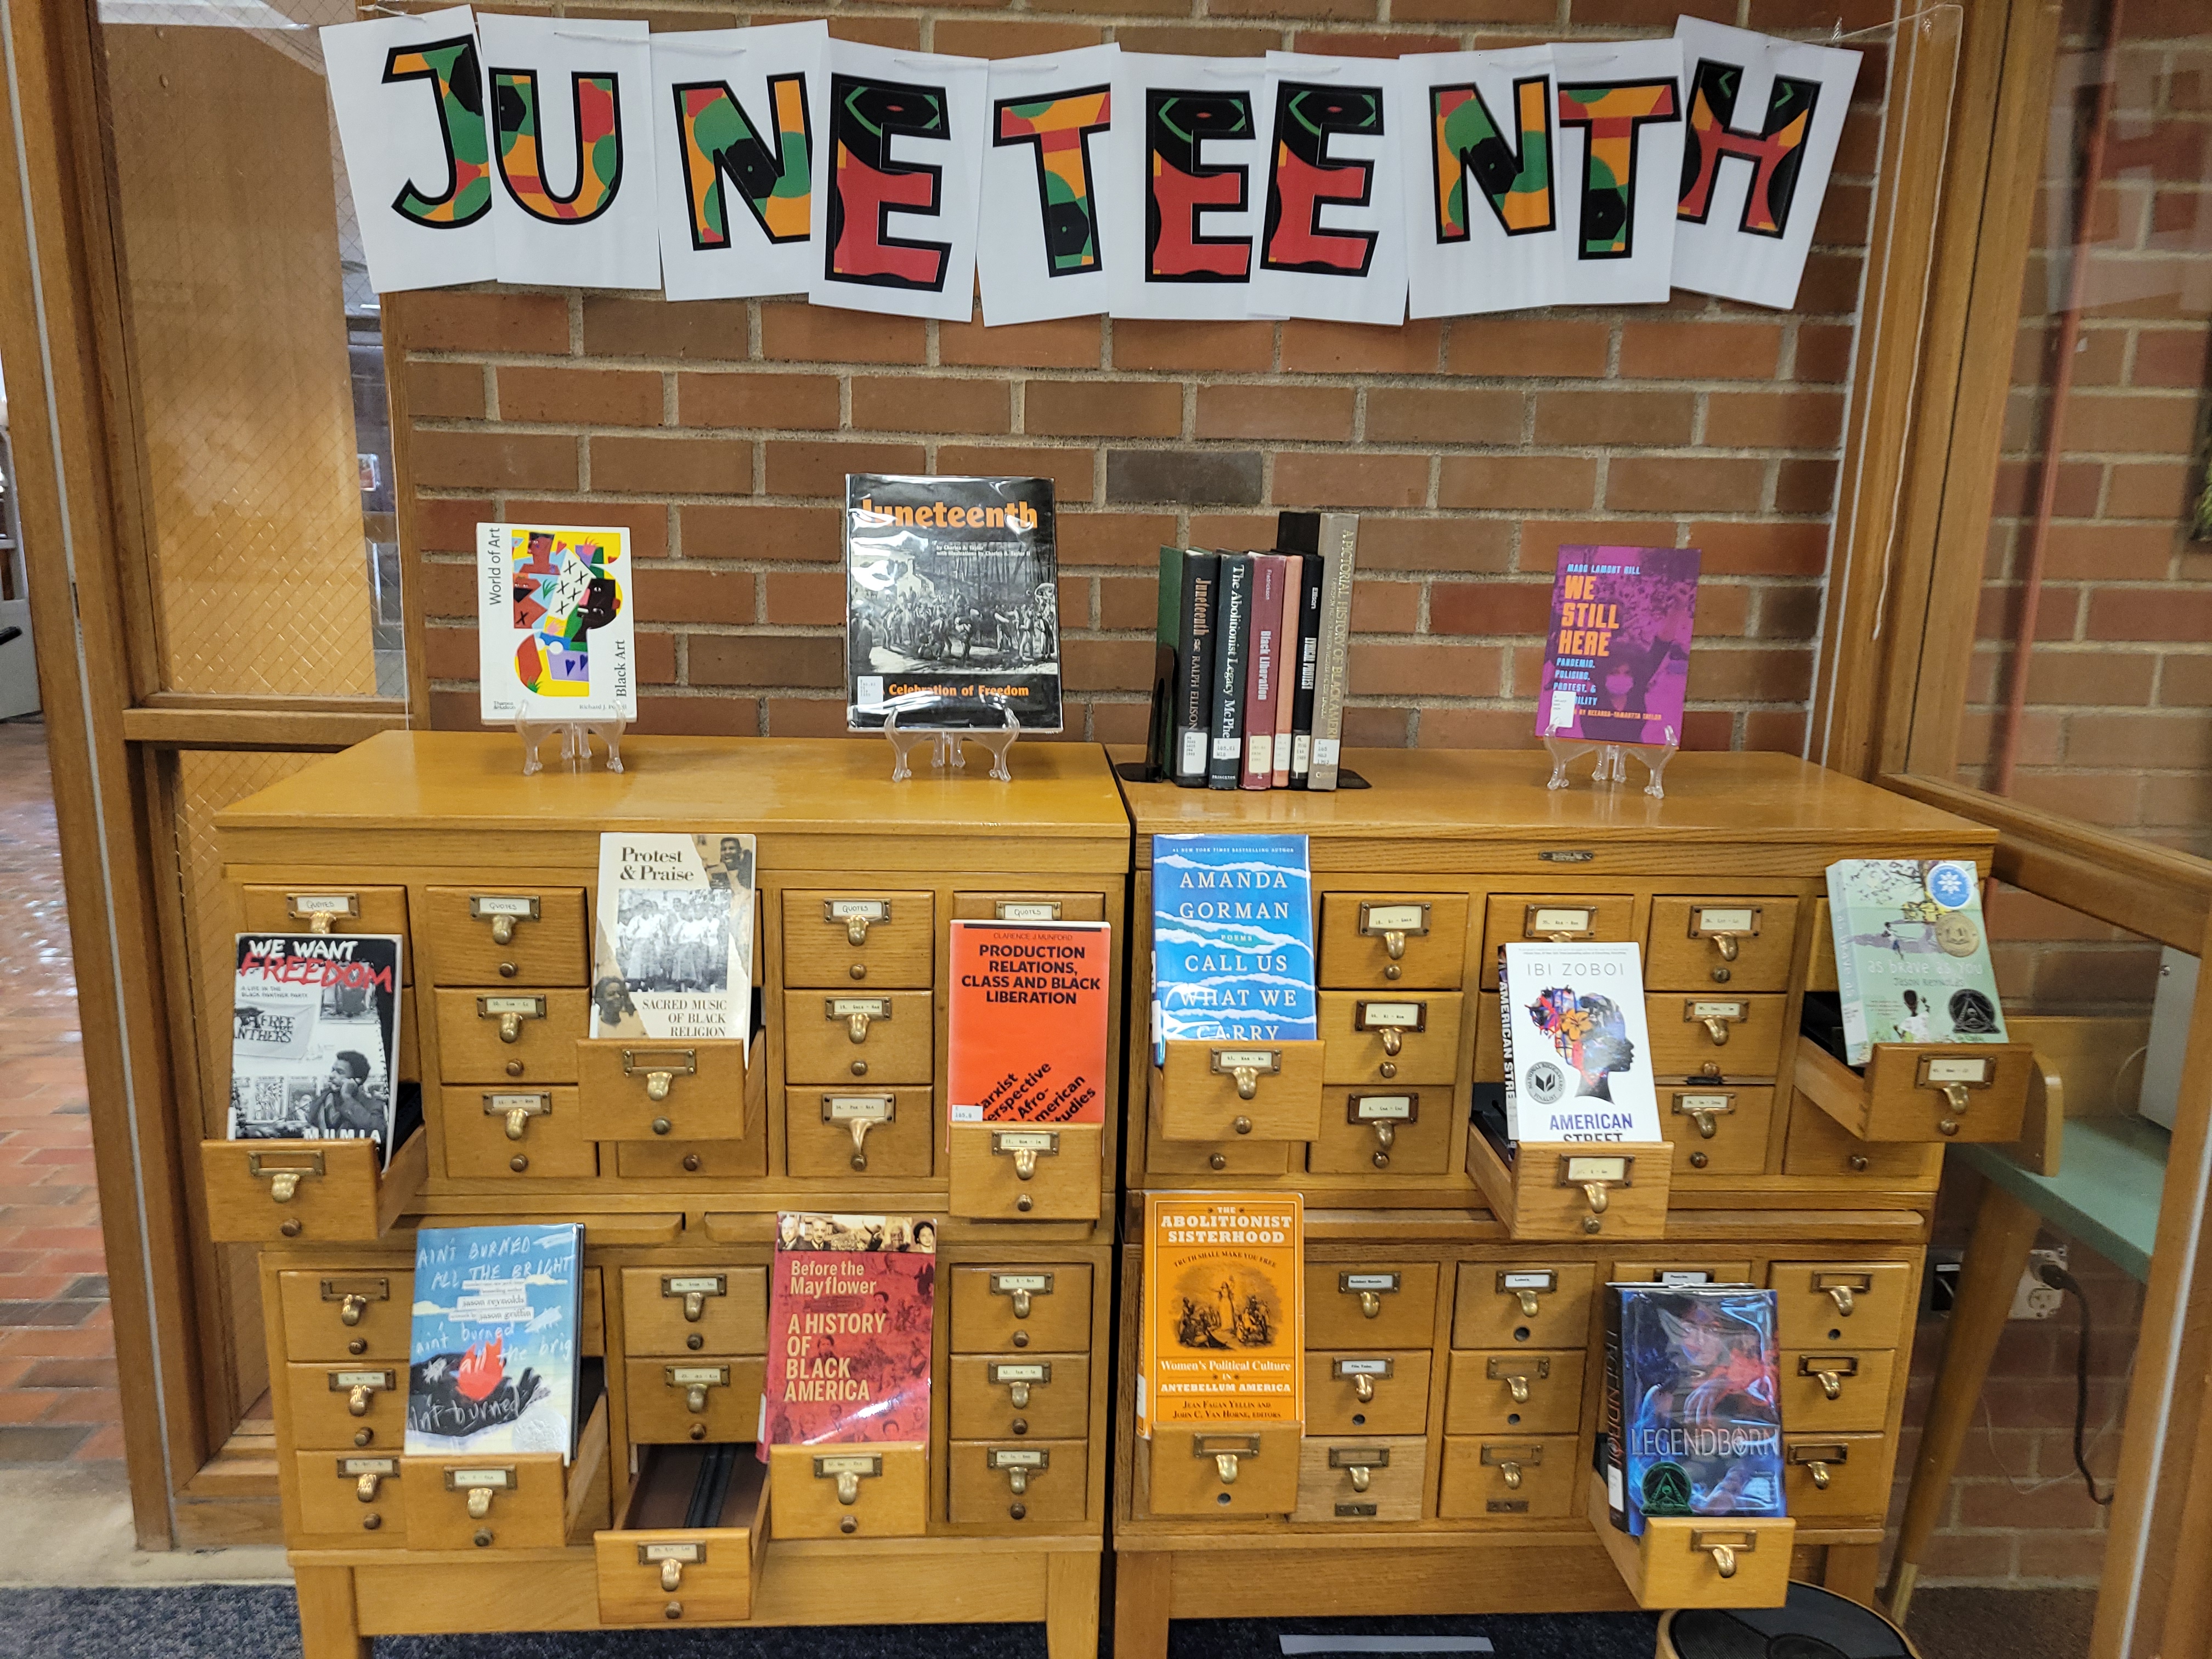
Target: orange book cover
1026,1024
1224,1309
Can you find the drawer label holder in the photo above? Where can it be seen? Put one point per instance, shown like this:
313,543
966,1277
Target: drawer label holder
848,1469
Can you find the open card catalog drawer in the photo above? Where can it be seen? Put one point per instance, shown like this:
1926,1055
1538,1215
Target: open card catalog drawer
1575,1189
654,1566
1238,1090
316,1192
1698,1561
632,1089
508,1500
1922,1091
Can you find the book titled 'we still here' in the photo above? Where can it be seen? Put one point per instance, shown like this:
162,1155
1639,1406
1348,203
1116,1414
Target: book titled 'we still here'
1617,662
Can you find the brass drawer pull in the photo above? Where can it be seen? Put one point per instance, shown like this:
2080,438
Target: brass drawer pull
285,1170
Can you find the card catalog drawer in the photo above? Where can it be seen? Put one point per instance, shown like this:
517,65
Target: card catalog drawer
1516,1304
884,1036
1515,1393
1376,1041
1361,1304
1682,1270
1819,1145
315,1192
654,1569
1244,1156
1044,1396
1835,1475
851,938
635,1090
850,1491
509,1500
1353,1479
328,907
1404,941
1241,1090
1384,1129
348,1405
1488,1477
698,1397
694,1309
344,1315
352,1499
1368,1391
695,1161
1026,905
1829,1390
1041,1308
1019,1485
1717,1128
504,936
1489,1039
499,1134
514,1035
1715,1034
1842,1304
1515,918
839,1133
1226,1470
1007,1172
1701,943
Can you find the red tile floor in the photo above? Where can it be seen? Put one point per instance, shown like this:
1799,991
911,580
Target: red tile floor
58,1394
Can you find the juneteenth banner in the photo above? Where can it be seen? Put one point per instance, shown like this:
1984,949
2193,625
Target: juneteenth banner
751,162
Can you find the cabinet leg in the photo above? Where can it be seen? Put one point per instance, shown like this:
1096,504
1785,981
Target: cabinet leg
328,1629
1849,1571
1071,1605
1141,1604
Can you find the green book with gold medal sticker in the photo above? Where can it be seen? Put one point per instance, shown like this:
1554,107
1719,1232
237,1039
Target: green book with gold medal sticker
1912,954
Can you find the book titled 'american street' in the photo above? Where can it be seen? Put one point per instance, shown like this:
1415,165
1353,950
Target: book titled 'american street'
1577,1053
1232,941
1617,661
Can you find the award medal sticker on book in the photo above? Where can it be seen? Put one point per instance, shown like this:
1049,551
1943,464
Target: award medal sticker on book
1224,1310
314,1026
672,954
851,1306
1617,660
1912,954
1698,1393
492,1356
1232,941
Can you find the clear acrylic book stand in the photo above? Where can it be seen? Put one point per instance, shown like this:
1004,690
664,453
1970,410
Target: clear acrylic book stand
1610,767
575,742
949,740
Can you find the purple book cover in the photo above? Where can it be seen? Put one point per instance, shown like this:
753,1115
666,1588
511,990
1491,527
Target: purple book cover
1617,659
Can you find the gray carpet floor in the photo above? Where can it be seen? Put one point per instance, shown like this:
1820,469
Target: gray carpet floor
215,1622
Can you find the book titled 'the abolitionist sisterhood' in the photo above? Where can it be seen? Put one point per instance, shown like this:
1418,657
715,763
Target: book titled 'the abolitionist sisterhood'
1232,941
673,951
851,1304
1617,662
556,624
951,602
1224,1334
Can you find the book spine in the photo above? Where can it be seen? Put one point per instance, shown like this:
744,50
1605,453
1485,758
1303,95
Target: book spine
1616,1428
1266,627
1160,751
1233,629
1857,1050
1338,538
1302,702
1505,1042
1286,666
1202,575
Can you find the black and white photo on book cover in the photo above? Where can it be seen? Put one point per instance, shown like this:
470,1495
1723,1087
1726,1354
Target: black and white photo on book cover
673,953
951,602
314,1024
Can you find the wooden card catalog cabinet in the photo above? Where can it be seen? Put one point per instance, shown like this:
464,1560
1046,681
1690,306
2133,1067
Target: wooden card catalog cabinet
1454,1279
677,1152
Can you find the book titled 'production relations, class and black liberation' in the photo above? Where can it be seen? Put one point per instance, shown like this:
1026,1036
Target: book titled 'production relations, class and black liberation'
951,602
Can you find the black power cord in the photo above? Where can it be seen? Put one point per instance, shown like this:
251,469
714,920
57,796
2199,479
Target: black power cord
2059,1280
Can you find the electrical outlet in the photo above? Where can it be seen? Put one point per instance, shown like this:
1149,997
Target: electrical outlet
2032,1298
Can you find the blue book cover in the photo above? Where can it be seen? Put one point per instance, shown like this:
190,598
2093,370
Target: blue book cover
1232,941
1693,1396
492,1359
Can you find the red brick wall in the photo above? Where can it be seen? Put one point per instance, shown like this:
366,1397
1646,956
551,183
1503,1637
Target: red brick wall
721,432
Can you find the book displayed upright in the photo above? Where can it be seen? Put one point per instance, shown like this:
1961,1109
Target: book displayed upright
314,1024
1225,765
1232,941
851,1305
1334,537
1692,1402
492,1357
1617,658
1912,954
672,946
1222,1331
951,602
556,625
1311,568
1196,577
1025,1022
1261,687
1578,1056
1286,670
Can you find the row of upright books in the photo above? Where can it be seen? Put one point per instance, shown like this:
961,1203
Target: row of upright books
1250,679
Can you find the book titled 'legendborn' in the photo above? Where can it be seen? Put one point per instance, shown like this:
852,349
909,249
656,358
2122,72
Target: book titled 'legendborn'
1617,662
556,627
492,1357
1232,941
1912,954
1025,1023
951,602
1224,1309
1577,1055
314,1021
672,949
851,1306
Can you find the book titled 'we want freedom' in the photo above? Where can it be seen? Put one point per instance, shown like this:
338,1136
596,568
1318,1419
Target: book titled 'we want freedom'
1232,941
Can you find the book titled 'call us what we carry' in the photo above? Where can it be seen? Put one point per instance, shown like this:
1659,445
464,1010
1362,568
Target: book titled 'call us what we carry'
1232,941
1223,1335
492,1355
